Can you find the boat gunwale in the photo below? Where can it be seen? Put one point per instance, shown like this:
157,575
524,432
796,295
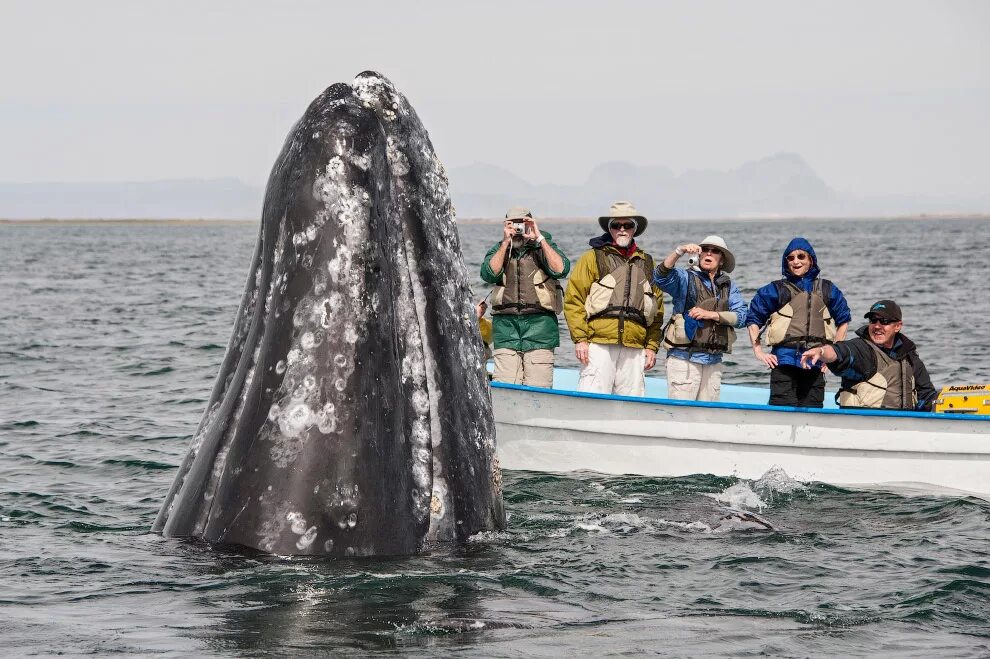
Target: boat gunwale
938,416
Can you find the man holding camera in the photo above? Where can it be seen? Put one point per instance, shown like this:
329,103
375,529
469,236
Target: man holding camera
524,267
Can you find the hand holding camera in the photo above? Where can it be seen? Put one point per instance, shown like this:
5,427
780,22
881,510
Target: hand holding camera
692,251
527,229
530,230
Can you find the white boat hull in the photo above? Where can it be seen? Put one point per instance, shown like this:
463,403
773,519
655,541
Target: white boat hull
560,431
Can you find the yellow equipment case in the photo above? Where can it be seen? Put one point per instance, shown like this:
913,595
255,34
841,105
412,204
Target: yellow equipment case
964,399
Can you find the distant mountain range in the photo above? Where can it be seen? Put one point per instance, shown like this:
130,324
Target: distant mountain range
779,185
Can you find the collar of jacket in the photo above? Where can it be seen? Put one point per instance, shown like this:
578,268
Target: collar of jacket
720,278
605,240
805,282
902,345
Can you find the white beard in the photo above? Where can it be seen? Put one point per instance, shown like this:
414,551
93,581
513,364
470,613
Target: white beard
517,241
623,242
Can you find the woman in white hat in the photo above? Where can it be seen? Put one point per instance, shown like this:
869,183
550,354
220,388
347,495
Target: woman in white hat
708,308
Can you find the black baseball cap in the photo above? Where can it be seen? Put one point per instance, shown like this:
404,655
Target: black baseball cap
885,310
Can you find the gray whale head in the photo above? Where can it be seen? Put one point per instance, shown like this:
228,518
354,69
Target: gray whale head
351,414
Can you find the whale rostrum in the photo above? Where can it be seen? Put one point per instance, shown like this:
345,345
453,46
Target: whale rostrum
351,415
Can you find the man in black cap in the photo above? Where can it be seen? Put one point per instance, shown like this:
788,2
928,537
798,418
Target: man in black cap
880,368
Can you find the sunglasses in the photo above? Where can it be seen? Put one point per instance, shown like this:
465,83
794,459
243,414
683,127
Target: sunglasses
711,250
797,257
622,226
881,321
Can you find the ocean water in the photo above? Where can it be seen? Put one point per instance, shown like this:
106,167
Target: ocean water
112,336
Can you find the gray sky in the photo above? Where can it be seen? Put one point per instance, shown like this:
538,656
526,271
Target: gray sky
878,97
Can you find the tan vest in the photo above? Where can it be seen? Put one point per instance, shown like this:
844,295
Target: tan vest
710,336
804,321
623,289
890,388
526,289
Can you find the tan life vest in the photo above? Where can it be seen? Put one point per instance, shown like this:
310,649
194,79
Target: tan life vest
804,321
526,289
890,388
711,337
624,289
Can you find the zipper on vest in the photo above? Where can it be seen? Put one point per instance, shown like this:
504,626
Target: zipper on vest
518,284
625,300
904,391
713,337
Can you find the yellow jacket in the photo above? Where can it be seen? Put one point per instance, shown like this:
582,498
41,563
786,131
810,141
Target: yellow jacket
487,335
486,331
605,330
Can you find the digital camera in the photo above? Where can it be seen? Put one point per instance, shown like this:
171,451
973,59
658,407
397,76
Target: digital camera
519,227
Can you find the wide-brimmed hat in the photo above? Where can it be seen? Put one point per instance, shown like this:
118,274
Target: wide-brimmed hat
518,213
728,260
885,309
623,209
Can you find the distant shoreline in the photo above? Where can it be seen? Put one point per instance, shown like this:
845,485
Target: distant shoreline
489,220
49,221
742,220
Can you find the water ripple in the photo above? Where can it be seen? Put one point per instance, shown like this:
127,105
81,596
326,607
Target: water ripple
97,411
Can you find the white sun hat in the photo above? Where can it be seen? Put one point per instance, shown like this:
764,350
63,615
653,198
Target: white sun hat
623,210
728,260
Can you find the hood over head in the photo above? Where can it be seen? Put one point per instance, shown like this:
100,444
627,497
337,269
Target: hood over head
802,244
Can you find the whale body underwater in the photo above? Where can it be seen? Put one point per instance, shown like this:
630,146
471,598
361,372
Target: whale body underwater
351,415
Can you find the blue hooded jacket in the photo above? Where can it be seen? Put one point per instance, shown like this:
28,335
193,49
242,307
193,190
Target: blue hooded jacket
766,301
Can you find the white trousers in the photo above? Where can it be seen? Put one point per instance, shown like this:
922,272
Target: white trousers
613,369
689,381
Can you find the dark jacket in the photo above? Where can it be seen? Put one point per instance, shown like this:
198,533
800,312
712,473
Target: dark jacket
857,362
767,301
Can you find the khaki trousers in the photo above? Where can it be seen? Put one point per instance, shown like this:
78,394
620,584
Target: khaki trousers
689,381
533,368
613,369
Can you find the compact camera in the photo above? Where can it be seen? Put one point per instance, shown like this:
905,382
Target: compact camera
519,227
692,259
